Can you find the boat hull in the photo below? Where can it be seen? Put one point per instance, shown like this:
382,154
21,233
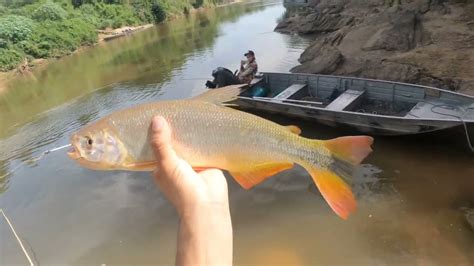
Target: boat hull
364,123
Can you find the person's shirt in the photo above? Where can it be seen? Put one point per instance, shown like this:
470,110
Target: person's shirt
248,71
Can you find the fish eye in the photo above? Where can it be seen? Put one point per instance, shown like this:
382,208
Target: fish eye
89,141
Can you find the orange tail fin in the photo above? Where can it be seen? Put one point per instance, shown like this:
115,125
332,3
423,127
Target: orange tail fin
352,149
346,153
335,191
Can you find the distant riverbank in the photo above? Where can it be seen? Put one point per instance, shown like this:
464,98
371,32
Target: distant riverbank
31,32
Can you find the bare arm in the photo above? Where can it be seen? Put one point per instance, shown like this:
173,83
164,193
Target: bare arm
249,70
201,200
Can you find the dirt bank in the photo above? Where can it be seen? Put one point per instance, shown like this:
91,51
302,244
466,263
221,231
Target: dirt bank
428,42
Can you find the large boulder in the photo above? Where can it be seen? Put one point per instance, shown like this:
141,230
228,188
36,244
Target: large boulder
320,60
317,20
396,35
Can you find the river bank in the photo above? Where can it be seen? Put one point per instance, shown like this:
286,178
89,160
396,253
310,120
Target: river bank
422,42
47,31
25,69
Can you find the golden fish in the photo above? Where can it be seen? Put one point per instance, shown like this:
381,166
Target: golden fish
209,135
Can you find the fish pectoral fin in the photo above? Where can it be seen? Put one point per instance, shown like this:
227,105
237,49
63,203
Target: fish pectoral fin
145,166
255,175
294,129
221,95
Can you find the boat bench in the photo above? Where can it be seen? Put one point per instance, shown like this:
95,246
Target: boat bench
255,81
290,91
346,100
425,110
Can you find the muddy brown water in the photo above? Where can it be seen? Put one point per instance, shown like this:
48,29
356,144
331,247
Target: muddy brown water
410,191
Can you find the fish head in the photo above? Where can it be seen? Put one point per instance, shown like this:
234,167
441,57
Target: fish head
97,149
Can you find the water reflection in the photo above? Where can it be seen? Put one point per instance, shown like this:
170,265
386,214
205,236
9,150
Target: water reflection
148,57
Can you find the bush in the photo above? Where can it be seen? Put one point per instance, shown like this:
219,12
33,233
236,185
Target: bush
54,39
159,14
49,11
15,28
9,59
3,10
198,3
3,43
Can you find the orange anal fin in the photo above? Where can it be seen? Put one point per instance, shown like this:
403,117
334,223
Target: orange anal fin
352,149
294,129
145,166
255,175
201,168
335,191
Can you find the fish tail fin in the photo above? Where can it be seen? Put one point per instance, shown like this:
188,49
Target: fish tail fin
221,95
332,180
353,149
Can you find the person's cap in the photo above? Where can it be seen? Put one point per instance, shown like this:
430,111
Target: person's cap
250,52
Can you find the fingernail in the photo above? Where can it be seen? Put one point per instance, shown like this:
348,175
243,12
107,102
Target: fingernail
157,123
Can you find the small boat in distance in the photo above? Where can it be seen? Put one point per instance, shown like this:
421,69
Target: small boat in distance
370,106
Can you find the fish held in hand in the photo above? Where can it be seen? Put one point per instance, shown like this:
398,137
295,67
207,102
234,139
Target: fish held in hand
209,135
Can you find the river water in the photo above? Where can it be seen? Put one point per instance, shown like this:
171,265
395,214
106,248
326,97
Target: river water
412,192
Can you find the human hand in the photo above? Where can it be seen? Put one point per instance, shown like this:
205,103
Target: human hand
201,200
185,188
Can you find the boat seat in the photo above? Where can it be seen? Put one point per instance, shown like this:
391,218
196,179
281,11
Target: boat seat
255,81
345,100
290,91
428,110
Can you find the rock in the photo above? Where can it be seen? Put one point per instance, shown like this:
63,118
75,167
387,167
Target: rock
323,22
469,214
328,19
320,60
398,35
314,50
416,41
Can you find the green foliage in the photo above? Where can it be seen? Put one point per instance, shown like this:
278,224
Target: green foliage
16,3
3,10
159,14
9,59
15,28
49,11
3,43
54,39
142,9
198,3
104,15
53,28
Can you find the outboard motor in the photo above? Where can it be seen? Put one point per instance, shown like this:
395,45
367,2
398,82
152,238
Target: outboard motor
222,77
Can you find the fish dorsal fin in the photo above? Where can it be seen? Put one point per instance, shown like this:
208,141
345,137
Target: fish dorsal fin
221,95
294,129
256,174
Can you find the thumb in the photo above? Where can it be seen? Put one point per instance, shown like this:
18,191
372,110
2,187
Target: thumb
166,157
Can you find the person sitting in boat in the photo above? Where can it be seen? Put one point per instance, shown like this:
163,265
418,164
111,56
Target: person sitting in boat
248,68
224,77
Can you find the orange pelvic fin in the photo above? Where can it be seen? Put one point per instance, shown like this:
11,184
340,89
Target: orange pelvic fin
248,178
200,168
335,191
294,129
352,149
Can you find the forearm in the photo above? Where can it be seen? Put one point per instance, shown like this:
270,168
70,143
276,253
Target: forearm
205,237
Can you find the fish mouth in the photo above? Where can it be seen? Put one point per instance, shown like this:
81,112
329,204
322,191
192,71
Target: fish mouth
74,153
